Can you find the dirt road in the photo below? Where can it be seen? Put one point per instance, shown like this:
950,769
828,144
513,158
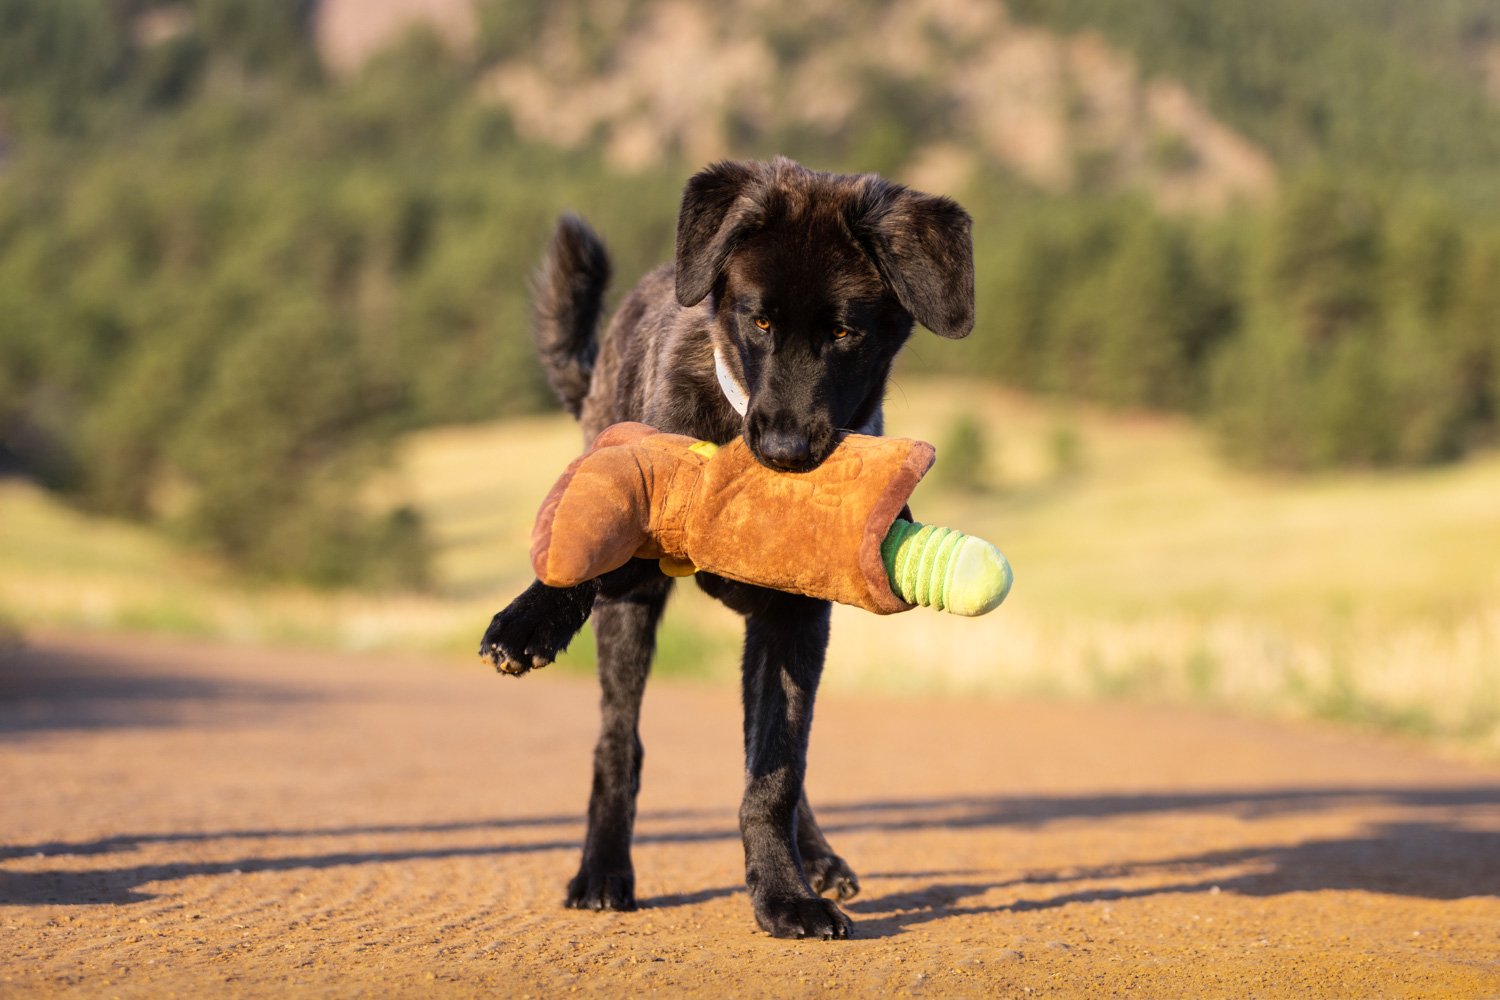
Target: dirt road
214,821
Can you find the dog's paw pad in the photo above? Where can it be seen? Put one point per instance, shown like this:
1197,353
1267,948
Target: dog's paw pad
506,664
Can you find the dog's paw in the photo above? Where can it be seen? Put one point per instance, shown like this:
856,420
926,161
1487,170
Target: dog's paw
534,628
601,890
508,644
831,874
800,917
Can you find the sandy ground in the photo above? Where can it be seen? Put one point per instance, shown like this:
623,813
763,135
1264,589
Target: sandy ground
197,820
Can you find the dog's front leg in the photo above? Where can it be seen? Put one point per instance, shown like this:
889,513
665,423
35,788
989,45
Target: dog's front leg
626,631
532,630
785,643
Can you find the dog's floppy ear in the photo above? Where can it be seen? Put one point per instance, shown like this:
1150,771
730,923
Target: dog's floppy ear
921,245
714,214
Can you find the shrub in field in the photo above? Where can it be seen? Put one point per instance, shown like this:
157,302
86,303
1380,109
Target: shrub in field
966,455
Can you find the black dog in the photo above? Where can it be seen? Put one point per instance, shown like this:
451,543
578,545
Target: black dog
791,294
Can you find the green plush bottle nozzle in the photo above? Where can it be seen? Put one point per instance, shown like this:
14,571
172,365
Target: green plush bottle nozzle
945,569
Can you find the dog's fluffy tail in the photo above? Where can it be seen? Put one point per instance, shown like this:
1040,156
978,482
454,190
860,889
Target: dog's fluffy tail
568,292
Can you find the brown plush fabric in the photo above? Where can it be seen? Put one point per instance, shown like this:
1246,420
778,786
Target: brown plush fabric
599,510
637,492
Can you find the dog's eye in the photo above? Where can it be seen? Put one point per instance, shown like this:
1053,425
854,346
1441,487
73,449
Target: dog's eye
761,323
840,333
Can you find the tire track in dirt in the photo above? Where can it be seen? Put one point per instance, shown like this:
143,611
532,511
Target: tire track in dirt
200,819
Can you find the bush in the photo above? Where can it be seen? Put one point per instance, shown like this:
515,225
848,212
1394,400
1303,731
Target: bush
964,455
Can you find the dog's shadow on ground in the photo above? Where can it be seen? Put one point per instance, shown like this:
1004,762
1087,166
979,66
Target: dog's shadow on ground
1429,858
1438,857
1426,860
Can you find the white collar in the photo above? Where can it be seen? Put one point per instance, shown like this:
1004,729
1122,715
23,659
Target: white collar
733,391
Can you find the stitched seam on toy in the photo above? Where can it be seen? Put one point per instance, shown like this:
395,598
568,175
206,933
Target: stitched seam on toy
670,534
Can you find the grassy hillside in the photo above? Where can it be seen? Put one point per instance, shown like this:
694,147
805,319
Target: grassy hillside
1367,86
1145,568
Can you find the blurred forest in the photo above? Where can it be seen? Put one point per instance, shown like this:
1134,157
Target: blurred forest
229,277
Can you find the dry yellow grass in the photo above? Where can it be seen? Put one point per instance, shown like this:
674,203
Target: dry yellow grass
1144,565
1152,569
477,486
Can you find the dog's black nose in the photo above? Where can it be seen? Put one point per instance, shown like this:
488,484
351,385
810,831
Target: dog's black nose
785,451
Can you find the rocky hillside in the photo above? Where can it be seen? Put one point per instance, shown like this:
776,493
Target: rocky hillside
958,82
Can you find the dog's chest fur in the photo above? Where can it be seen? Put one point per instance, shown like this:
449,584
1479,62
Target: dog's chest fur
656,365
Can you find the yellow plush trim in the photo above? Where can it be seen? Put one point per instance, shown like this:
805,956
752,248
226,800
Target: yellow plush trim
676,567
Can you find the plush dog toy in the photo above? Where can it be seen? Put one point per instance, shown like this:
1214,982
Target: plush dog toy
832,533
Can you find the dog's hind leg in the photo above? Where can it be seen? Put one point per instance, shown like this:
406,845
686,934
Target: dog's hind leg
625,627
785,642
826,872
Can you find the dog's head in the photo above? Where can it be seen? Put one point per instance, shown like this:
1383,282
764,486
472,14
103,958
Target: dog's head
815,280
